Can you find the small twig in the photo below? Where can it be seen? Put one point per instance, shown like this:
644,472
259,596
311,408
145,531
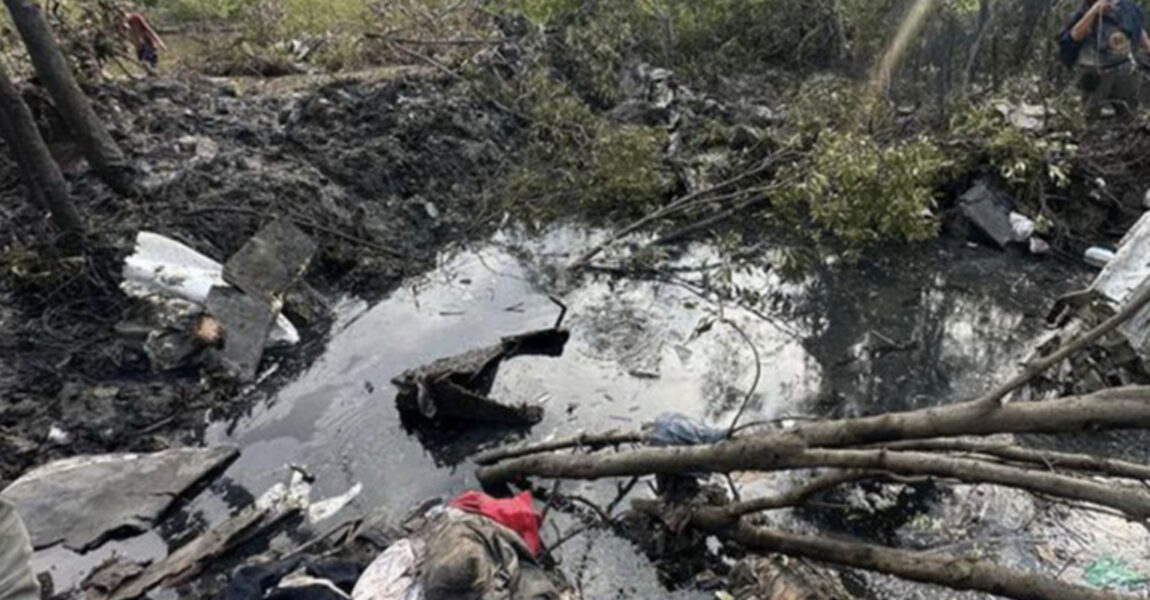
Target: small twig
754,384
568,536
606,518
550,500
623,491
676,205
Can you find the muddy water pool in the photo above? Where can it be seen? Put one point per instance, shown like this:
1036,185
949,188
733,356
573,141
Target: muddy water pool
926,325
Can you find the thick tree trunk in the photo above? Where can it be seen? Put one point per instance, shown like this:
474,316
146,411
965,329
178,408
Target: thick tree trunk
101,151
40,172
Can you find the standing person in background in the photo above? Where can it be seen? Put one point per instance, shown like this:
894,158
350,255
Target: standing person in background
1100,39
140,33
16,580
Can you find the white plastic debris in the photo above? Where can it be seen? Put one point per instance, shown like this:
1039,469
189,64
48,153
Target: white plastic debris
58,436
1098,257
1039,246
294,494
325,509
1022,225
162,266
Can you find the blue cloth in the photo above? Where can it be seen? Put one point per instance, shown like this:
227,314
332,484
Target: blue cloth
674,429
1126,17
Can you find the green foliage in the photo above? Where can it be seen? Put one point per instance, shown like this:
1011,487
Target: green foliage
861,192
1027,160
578,163
286,17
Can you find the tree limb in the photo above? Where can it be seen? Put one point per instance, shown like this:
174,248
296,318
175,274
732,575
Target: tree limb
1119,408
591,441
1077,462
955,572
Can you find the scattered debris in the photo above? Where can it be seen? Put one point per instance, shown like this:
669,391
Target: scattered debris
1098,257
163,270
1022,225
325,509
246,322
262,271
271,262
1029,117
456,387
109,576
180,284
275,505
988,209
83,500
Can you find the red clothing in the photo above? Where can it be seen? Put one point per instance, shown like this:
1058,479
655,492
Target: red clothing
516,514
141,31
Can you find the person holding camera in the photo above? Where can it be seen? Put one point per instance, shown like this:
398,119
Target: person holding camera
1100,40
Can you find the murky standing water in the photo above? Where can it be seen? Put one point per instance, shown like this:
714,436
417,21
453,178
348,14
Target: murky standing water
921,326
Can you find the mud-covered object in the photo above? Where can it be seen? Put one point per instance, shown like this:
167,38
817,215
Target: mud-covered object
456,387
475,558
83,500
986,207
16,579
293,579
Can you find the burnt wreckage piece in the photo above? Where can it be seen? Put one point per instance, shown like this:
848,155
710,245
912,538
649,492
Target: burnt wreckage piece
457,387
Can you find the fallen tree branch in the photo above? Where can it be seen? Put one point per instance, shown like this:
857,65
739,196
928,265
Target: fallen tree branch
957,573
1049,459
711,221
1135,503
1119,408
754,384
794,496
590,441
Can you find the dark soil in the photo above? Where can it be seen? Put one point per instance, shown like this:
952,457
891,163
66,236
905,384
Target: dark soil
381,175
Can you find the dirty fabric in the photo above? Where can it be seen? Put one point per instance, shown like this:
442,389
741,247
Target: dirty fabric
475,558
516,514
392,575
16,580
674,429
253,582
